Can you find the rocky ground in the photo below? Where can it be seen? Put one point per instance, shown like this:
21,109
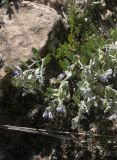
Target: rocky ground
17,36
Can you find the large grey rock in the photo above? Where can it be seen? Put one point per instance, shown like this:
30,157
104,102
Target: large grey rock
53,3
34,25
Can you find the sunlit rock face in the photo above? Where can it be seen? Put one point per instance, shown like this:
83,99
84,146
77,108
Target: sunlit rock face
33,25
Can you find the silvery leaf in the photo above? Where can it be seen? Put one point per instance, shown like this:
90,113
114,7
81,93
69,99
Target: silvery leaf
113,117
61,77
30,76
83,107
108,108
68,74
37,71
87,72
74,123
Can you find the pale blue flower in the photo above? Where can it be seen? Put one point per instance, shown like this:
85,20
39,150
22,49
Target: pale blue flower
105,77
17,71
47,115
61,109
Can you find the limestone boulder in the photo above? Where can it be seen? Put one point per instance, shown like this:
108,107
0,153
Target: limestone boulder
33,25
